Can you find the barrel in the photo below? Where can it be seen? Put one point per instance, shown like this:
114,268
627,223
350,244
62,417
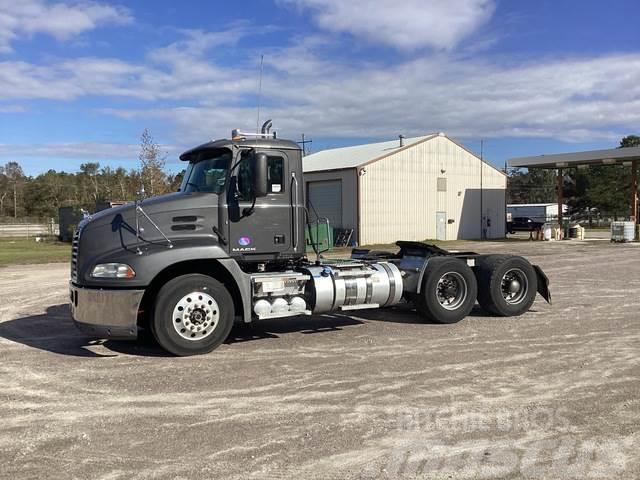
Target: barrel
547,232
574,231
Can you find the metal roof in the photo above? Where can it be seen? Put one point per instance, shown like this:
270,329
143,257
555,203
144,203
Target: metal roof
357,155
593,157
532,205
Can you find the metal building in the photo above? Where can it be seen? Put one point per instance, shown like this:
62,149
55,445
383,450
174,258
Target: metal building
428,187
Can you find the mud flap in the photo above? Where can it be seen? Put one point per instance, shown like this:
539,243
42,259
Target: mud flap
543,284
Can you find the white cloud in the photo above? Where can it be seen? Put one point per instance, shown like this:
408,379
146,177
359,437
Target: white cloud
307,91
61,20
82,150
569,99
406,24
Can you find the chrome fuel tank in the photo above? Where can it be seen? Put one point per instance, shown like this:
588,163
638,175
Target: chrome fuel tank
351,286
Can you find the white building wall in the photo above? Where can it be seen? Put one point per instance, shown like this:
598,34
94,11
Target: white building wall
399,197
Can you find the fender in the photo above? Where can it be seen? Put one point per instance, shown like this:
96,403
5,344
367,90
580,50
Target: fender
543,284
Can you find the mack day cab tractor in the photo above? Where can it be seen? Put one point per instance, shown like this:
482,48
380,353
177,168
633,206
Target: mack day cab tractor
229,246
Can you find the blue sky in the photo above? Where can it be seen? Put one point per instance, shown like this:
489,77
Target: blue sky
80,80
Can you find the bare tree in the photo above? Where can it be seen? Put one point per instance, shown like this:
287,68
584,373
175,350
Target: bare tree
91,171
152,162
15,176
4,190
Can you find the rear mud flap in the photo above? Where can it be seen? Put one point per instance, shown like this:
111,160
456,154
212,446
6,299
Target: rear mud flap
543,284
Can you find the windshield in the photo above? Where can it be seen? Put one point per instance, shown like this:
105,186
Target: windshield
207,172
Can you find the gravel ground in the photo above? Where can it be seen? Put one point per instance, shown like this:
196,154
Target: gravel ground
551,394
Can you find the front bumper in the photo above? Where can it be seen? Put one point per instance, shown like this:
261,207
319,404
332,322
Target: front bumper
106,313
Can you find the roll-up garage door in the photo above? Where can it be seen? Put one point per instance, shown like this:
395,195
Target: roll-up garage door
326,199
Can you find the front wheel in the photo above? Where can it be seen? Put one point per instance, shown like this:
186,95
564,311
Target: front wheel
448,291
193,314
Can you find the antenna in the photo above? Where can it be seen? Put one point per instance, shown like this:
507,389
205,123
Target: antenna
482,222
259,92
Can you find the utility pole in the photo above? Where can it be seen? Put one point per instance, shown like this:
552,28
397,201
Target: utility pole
303,144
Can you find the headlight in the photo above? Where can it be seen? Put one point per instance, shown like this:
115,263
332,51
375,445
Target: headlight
113,270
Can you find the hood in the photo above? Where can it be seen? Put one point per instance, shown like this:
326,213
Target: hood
181,217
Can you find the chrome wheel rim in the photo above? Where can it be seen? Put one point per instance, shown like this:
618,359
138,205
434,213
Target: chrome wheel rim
514,286
451,290
195,316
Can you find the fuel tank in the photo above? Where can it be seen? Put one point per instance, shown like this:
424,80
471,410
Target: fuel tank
351,286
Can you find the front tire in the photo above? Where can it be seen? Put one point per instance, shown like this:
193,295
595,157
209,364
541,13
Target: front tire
507,284
449,290
193,314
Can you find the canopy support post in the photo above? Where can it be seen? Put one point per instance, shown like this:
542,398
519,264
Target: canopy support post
560,202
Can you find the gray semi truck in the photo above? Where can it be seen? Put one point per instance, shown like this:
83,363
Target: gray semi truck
229,246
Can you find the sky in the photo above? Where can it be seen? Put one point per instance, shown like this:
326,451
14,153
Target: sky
81,80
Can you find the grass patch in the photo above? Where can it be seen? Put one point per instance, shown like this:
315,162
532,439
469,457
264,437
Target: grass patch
20,251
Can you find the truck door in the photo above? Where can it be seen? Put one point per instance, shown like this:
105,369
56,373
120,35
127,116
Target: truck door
262,225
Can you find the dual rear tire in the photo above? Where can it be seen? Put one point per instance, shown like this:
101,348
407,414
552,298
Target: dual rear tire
504,285
507,284
448,292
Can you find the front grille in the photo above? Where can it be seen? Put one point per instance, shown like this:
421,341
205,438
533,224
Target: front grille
75,245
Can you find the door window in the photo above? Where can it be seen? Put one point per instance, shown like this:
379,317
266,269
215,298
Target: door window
275,175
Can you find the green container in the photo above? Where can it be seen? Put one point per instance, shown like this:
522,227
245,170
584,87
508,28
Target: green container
321,234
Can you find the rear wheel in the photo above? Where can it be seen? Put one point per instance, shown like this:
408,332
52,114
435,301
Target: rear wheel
507,285
448,291
193,314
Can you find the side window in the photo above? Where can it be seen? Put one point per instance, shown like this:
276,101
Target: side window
275,174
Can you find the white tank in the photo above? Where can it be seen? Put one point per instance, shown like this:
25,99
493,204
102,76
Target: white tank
297,304
629,231
623,231
279,305
262,307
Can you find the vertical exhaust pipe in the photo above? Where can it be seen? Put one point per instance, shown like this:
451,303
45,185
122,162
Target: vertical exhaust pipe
401,137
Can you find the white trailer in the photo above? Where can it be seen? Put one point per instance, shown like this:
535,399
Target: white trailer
538,212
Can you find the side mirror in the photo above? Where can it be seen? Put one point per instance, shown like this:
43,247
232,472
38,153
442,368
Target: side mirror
260,183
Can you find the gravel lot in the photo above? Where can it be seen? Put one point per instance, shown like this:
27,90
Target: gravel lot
551,394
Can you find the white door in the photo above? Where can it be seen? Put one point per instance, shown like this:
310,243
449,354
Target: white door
441,225
325,201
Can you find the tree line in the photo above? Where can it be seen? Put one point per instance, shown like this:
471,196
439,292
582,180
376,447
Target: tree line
40,196
605,189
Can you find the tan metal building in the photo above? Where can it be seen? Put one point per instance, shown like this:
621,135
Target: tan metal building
421,188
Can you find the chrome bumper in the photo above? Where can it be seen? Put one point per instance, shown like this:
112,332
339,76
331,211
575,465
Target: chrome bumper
106,313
